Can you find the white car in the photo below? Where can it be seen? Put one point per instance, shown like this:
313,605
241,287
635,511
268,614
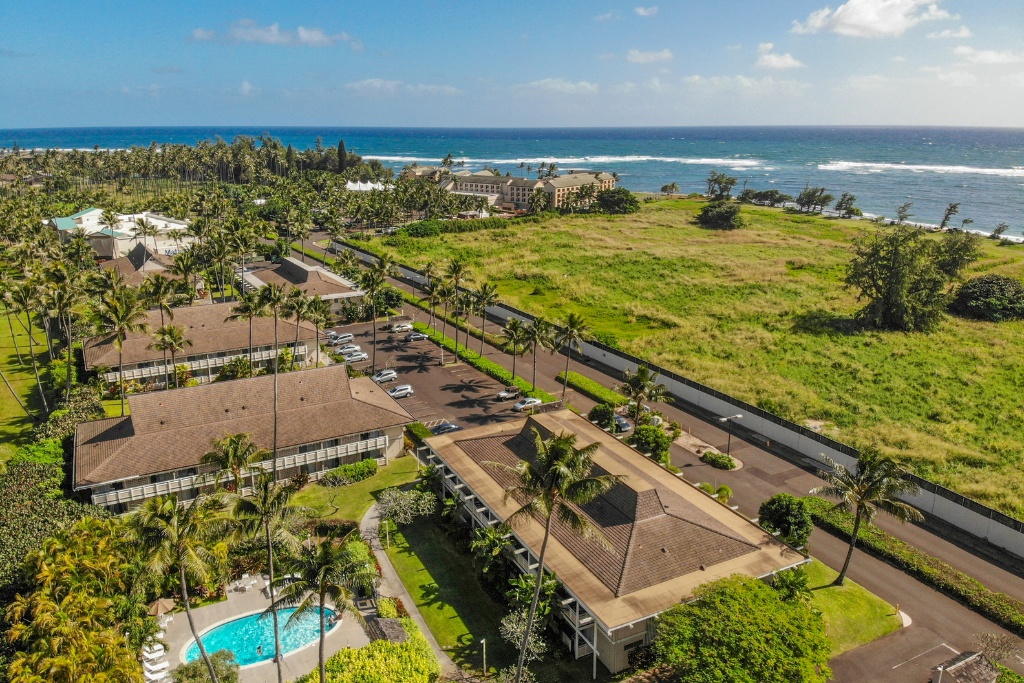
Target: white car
338,339
357,357
401,327
401,391
349,348
385,376
526,404
510,392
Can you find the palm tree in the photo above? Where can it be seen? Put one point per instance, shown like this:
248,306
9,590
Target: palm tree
432,290
514,335
25,299
271,301
429,271
447,293
119,314
6,291
456,272
63,303
234,455
877,484
109,220
266,511
539,335
170,535
554,484
371,282
249,306
296,306
484,297
574,332
327,571
319,314
170,338
159,291
642,386
187,264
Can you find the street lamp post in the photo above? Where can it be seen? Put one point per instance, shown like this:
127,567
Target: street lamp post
483,641
728,444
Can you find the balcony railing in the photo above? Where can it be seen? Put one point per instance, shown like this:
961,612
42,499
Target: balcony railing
202,364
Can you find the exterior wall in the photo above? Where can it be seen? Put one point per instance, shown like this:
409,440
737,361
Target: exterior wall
203,367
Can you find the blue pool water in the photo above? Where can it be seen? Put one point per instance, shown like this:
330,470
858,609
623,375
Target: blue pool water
245,635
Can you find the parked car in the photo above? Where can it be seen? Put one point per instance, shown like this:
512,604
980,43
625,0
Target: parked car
509,393
357,357
349,348
526,404
338,339
444,428
401,327
622,424
401,391
385,376
415,336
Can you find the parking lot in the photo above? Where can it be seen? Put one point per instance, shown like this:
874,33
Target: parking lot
458,393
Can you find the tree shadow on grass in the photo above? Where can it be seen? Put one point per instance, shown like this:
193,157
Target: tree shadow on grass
826,323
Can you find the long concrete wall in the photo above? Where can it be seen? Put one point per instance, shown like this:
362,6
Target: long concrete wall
935,501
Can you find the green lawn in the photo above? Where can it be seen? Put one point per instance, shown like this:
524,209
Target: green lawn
761,313
853,616
112,407
15,426
352,502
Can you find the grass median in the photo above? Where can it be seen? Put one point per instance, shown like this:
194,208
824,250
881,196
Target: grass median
352,502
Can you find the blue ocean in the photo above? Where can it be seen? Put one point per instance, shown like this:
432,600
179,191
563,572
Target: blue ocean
982,169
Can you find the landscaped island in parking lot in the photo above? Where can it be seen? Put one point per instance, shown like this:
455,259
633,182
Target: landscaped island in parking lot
762,313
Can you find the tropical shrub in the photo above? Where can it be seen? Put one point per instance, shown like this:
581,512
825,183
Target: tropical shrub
235,368
44,452
788,516
720,461
386,608
433,228
350,474
990,297
594,390
617,201
720,215
410,662
418,432
603,415
651,439
56,374
83,405
196,672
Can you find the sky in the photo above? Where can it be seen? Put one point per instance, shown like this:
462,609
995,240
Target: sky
524,63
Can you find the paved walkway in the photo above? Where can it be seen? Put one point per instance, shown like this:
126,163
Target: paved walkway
349,633
391,585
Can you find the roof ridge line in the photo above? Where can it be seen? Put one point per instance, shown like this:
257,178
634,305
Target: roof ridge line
625,560
714,531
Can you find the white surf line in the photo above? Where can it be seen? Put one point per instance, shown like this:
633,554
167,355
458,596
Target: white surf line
956,652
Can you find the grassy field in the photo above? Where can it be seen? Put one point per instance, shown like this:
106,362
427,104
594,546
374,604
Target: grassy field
352,502
853,616
761,313
15,426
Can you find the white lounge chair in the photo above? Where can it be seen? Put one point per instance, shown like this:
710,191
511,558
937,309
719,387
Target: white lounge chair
155,677
154,655
156,667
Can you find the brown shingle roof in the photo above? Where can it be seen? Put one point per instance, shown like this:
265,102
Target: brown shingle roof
138,263
205,327
172,429
665,537
312,279
969,667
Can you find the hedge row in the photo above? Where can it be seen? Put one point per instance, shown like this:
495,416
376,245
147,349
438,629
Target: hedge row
495,340
594,390
720,461
350,474
999,607
488,367
432,228
418,432
411,662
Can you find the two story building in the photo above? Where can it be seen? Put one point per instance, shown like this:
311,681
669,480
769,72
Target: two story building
111,242
666,537
325,419
509,192
312,279
216,341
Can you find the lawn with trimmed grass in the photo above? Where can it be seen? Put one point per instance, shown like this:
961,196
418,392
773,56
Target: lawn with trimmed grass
853,615
352,502
15,425
761,313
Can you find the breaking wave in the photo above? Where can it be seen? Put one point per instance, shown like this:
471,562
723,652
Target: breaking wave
864,167
572,161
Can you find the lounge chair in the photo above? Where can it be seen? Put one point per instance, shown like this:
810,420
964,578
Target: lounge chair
153,655
155,677
156,667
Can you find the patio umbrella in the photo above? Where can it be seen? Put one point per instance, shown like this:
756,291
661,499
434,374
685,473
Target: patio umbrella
160,606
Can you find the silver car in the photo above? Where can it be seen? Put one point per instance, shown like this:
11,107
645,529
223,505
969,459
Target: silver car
401,391
357,357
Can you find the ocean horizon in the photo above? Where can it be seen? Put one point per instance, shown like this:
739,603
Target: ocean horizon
884,166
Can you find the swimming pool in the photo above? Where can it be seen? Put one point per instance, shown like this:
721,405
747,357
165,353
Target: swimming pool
245,636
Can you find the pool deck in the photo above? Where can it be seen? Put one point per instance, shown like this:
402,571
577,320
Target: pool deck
349,633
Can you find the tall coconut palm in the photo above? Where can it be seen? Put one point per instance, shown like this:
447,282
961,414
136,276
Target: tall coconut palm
234,456
6,291
160,292
271,302
249,306
143,229
457,274
554,484
181,537
484,297
187,265
25,299
429,272
447,293
514,336
540,334
63,305
296,307
266,512
875,484
641,386
119,314
574,332
325,572
432,297
170,339
109,219
319,314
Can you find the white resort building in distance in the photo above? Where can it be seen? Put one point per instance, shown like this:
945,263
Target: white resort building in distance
172,233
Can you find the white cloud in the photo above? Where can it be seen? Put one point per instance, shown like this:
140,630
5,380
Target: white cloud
430,89
648,56
872,18
988,56
898,59
372,86
646,11
766,59
962,32
744,85
562,85
245,89
1016,80
607,16
870,82
248,31
381,86
956,78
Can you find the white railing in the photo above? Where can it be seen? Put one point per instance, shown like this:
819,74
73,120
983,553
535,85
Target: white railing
140,493
201,364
